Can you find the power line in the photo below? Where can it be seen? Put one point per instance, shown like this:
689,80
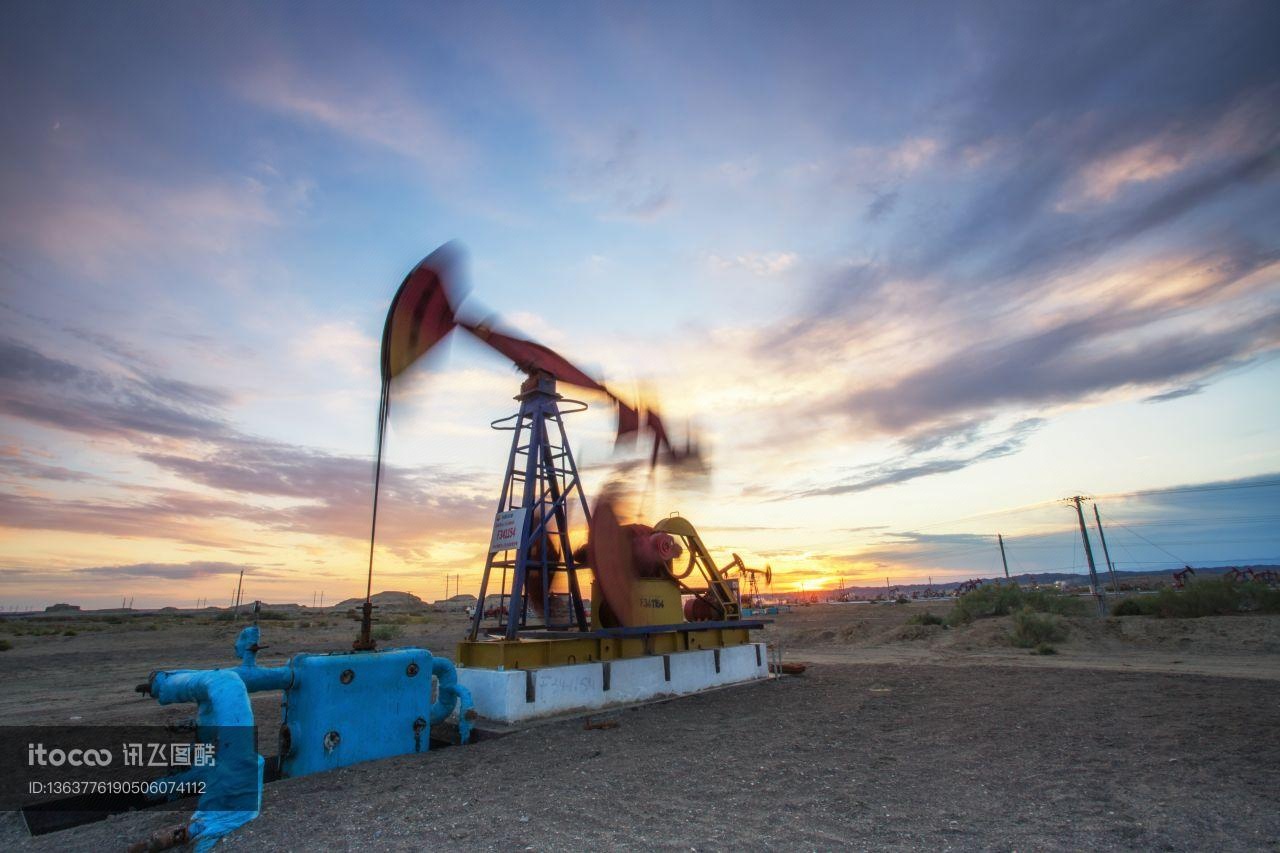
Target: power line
1148,541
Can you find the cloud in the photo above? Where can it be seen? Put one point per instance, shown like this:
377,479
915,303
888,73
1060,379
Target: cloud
1067,361
99,227
882,204
53,392
161,514
196,570
1104,178
17,464
909,466
372,109
614,173
1177,393
762,264
181,428
1068,241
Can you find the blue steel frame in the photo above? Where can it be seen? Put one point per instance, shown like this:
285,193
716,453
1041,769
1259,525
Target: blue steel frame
542,478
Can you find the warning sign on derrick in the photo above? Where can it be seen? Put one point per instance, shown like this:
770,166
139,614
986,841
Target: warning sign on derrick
507,527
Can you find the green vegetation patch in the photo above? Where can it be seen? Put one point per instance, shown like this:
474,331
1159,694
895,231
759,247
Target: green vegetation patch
1033,630
386,632
1204,597
1002,599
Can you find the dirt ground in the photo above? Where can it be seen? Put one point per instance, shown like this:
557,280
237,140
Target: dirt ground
1139,734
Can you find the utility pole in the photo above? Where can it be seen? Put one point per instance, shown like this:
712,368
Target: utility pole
1088,553
1111,567
1003,559
235,609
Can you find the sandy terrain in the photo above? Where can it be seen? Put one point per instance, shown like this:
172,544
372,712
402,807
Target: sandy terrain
1139,734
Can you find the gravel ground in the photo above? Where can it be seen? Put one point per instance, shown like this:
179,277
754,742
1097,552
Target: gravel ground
904,755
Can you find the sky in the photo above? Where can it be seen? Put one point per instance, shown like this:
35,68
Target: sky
913,273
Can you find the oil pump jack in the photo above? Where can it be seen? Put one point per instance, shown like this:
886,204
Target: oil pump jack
635,588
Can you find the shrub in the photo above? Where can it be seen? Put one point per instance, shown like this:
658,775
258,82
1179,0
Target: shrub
68,633
386,632
1044,649
925,618
1032,629
1211,597
270,615
1001,599
1128,607
5,645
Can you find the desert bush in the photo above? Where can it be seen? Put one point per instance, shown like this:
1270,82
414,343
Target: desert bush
1053,601
1128,607
1206,597
69,633
270,616
925,618
1001,599
5,645
1044,649
1032,629
386,632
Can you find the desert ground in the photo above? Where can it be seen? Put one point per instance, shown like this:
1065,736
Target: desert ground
1140,733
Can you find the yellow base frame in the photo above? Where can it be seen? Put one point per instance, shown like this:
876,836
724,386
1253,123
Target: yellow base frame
535,653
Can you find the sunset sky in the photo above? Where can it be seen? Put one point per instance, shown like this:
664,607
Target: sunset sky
913,272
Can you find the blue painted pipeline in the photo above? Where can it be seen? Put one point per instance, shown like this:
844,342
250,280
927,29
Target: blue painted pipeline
451,694
233,784
233,790
256,677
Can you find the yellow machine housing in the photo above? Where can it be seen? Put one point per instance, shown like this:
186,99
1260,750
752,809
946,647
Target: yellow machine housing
657,601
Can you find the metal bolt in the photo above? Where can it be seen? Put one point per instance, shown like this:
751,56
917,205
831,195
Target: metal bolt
347,676
411,670
331,741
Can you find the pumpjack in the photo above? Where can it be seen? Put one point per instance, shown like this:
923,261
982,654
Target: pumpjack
618,594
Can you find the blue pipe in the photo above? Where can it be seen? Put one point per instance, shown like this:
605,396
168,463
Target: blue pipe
256,677
233,784
451,694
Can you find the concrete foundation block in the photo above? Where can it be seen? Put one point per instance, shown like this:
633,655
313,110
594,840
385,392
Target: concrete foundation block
514,696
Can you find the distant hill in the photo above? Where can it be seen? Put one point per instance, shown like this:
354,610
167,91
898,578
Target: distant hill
1028,578
388,602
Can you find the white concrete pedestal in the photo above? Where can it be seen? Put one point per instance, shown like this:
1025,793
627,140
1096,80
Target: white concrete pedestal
513,696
